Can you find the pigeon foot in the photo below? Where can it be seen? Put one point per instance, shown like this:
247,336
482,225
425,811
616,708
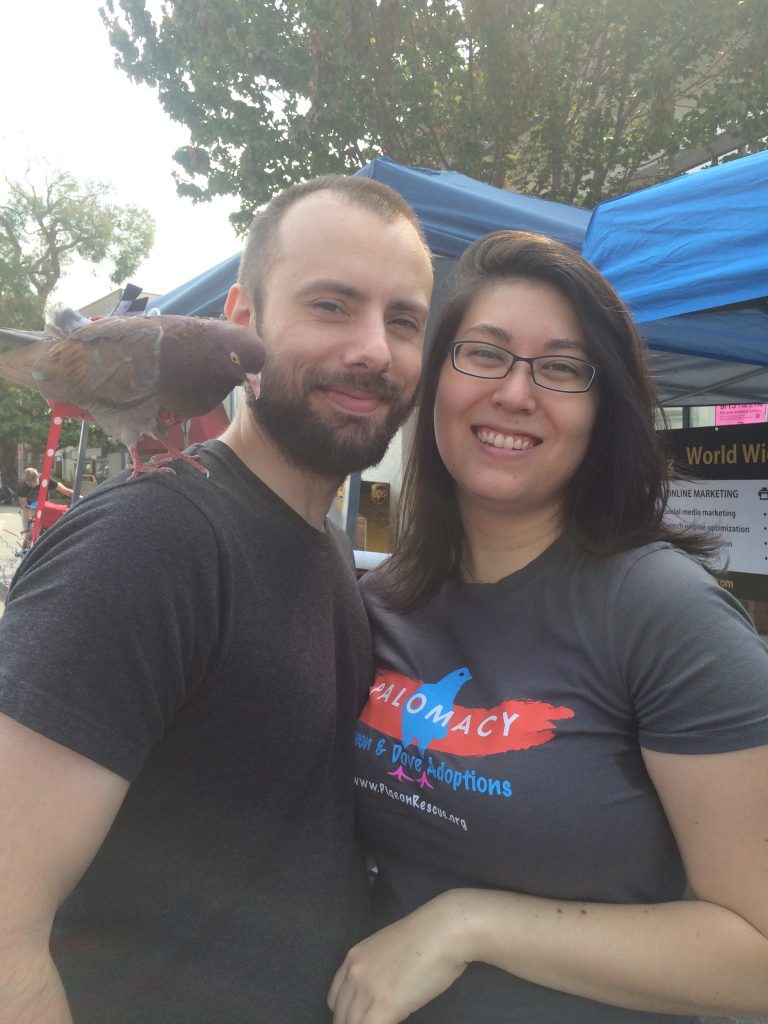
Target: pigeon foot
140,467
157,462
146,468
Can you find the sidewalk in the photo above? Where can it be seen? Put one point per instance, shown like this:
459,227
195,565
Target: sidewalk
10,531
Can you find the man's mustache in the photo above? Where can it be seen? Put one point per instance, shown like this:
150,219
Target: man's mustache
372,383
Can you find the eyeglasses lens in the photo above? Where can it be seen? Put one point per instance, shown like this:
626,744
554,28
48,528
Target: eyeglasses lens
556,372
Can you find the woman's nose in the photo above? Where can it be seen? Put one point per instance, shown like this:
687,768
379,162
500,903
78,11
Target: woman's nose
517,388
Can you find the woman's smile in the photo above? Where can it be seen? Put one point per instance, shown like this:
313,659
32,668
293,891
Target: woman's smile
501,439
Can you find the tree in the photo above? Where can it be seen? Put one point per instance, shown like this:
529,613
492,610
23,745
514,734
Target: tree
43,228
25,419
564,99
46,224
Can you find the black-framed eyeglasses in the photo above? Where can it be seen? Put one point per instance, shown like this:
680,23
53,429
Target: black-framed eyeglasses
555,372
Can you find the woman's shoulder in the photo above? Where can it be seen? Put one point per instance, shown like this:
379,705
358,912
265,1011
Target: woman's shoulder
375,583
658,586
656,561
649,583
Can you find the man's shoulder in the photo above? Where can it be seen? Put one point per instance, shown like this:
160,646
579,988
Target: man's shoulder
158,488
128,521
340,538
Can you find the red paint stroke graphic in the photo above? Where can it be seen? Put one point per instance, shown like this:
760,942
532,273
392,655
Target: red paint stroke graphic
511,725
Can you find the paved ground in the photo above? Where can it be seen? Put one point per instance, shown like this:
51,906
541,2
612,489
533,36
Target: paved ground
10,531
10,519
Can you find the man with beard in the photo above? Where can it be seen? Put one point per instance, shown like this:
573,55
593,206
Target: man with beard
183,660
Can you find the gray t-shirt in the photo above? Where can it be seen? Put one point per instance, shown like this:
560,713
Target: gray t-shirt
199,638
501,743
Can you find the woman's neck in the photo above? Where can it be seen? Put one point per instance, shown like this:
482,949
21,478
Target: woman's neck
496,545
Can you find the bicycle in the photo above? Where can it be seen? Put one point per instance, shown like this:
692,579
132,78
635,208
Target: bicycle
10,558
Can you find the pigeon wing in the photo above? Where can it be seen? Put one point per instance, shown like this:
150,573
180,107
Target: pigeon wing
18,364
109,363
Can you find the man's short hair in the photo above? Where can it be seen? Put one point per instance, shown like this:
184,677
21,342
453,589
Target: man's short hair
261,246
30,475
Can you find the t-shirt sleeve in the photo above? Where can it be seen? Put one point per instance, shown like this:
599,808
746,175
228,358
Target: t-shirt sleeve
695,666
112,622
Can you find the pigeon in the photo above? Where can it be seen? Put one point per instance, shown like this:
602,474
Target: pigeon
424,716
135,376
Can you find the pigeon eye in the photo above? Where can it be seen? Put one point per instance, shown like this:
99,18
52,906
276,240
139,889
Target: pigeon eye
235,358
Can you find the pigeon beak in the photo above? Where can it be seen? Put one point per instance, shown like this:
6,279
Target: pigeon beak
253,380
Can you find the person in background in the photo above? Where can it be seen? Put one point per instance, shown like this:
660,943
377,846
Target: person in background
569,717
27,493
183,658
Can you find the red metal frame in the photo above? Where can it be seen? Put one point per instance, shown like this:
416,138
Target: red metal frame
48,512
201,428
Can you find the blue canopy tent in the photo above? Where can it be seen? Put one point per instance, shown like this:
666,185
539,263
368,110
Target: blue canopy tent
453,210
698,358
204,295
695,242
690,259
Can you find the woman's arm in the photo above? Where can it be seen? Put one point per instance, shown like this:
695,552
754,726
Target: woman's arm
704,956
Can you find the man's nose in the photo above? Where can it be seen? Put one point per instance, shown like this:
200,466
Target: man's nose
370,347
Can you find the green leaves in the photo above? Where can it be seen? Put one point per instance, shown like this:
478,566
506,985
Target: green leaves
45,225
565,99
48,222
25,418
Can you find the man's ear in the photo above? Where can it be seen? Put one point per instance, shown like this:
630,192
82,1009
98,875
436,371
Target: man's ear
239,306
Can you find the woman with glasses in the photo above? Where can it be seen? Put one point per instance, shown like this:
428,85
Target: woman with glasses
570,717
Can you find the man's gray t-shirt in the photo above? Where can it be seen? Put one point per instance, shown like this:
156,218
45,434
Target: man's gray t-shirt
199,638
501,743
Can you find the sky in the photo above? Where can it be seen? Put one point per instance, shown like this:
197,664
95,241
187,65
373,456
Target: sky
65,104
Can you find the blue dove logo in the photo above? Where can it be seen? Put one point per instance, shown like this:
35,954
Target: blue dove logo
427,714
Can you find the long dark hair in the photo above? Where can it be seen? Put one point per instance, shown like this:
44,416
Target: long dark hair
617,498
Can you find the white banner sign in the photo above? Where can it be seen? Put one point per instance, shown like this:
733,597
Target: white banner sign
736,509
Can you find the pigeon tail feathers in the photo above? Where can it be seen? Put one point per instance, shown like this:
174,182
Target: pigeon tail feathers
20,339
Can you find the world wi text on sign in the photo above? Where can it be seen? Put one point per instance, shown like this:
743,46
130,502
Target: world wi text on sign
721,485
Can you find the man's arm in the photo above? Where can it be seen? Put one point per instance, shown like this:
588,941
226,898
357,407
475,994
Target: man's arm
62,489
56,807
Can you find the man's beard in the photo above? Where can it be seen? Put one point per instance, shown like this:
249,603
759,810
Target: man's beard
338,444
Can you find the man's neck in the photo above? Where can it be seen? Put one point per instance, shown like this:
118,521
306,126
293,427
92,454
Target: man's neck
308,494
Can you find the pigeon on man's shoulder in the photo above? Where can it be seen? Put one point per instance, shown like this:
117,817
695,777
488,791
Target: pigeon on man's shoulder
135,376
